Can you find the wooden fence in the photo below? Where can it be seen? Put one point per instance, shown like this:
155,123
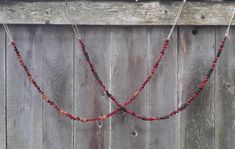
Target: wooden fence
123,50
123,56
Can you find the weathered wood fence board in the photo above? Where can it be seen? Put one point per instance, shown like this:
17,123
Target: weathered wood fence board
224,95
128,57
24,115
2,91
162,90
90,101
120,84
136,73
196,51
116,13
123,57
58,84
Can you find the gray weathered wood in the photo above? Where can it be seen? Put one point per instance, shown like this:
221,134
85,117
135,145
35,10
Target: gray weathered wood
224,97
90,101
195,55
123,57
117,13
58,45
24,107
2,91
162,91
128,70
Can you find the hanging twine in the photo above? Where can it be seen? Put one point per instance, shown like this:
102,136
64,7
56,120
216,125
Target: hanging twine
74,26
9,35
177,18
229,25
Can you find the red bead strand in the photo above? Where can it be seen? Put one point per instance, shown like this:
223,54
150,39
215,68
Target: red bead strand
137,93
105,116
192,97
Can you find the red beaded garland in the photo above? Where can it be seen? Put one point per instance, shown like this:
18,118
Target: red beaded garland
128,101
105,116
137,93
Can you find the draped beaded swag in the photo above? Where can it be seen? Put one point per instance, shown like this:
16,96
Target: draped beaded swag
121,106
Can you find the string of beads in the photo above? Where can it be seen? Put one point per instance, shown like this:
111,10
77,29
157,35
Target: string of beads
131,99
105,116
187,102
100,82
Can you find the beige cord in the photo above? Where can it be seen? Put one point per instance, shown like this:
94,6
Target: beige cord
75,27
9,35
177,18
229,25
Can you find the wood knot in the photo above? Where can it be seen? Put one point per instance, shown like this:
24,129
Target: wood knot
230,87
194,31
99,124
203,16
134,133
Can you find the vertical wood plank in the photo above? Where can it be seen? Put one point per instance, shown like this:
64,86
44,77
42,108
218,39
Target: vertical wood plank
2,91
196,52
89,98
224,95
128,70
162,90
24,106
58,47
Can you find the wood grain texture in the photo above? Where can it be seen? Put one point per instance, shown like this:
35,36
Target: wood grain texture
224,96
123,56
195,55
162,91
2,91
90,100
24,107
116,13
58,78
128,61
